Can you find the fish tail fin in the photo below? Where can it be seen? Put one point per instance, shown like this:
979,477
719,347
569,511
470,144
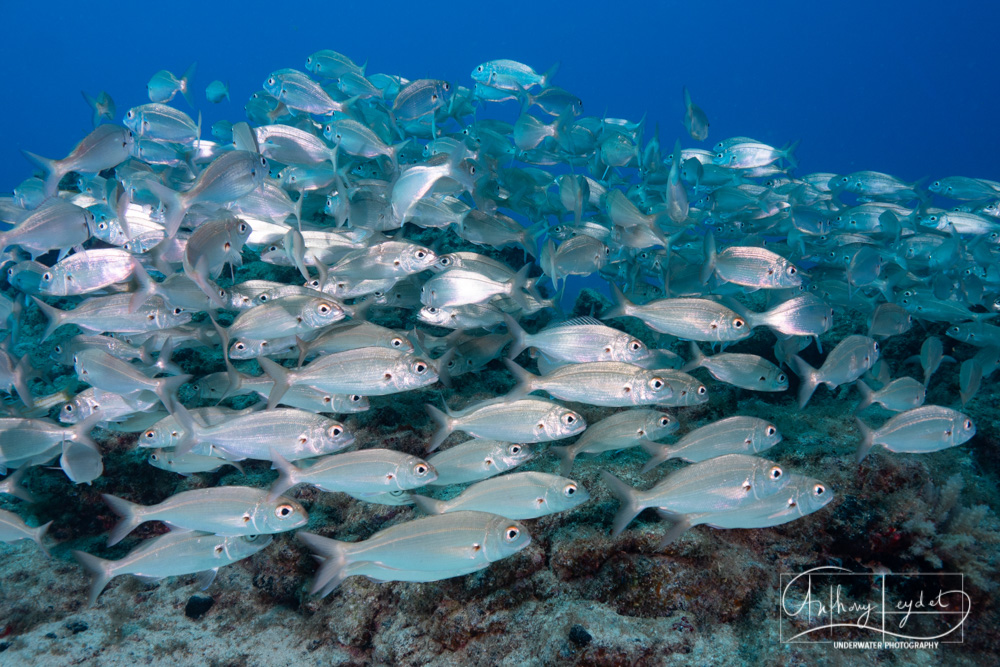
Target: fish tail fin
866,396
658,453
428,505
622,308
867,440
517,335
37,534
147,287
100,571
445,423
132,515
525,380
708,268
174,203
55,316
789,155
16,489
186,84
81,459
333,557
681,525
279,374
547,76
164,363
697,358
166,389
49,167
567,456
808,379
518,285
287,475
630,504
20,380
530,236
190,437
92,103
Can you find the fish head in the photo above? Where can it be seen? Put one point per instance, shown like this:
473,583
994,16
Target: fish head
326,437
248,349
170,316
657,425
962,429
53,282
414,259
243,546
763,436
414,473
348,404
565,494
410,372
961,332
162,434
625,348
560,422
504,538
731,326
648,387
276,516
766,478
807,495
511,454
437,316
321,312
482,73
76,410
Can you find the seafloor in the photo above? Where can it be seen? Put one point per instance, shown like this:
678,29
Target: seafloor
574,596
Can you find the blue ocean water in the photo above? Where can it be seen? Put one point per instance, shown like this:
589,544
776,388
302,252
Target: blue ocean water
904,88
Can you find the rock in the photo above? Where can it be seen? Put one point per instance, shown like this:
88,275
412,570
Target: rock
76,627
579,635
198,605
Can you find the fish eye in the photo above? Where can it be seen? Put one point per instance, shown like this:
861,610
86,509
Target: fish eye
635,346
444,261
396,342
421,254
240,346
819,490
875,346
102,226
243,228
421,469
792,271
130,114
283,511
69,407
419,367
432,310
270,81
569,418
178,311
150,434
515,449
511,533
263,161
781,377
701,390
355,398
656,383
775,472
335,431
58,349
262,298
446,86
324,308
222,293
479,69
968,424
570,490
738,323
46,276
664,421
154,457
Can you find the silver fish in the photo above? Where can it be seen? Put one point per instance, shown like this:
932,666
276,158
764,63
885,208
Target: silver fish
851,359
621,430
427,549
13,529
929,428
170,555
519,495
360,473
732,435
742,370
528,419
477,459
223,510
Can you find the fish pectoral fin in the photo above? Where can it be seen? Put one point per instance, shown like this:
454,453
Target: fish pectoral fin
205,579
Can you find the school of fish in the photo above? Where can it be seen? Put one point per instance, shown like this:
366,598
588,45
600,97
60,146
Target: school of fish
365,194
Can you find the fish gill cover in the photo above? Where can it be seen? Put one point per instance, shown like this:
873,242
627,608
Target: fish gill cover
478,327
